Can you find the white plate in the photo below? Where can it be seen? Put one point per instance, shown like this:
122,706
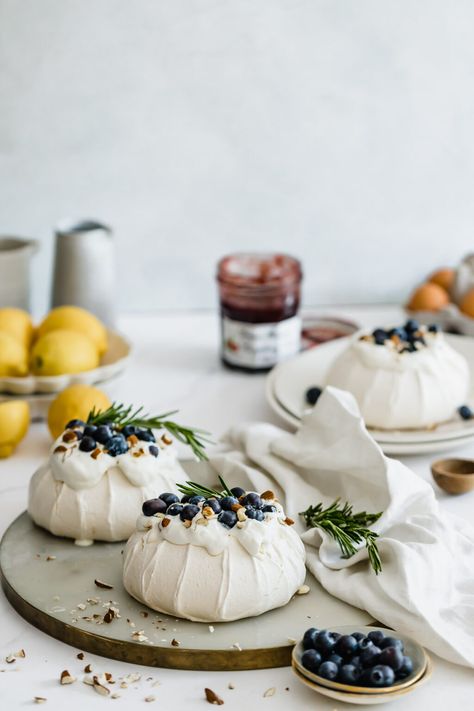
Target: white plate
389,448
289,381
112,363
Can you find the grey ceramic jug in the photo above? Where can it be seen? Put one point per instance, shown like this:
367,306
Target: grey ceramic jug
15,257
84,268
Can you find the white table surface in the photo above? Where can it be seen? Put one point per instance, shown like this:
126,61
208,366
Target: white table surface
176,365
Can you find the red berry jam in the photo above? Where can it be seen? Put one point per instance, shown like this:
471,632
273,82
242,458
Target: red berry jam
259,299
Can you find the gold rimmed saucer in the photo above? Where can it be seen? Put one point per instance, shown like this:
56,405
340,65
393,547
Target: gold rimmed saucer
363,699
412,649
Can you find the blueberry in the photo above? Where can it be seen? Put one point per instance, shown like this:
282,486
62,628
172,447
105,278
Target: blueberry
102,434
72,424
185,498
391,642
145,435
153,506
358,635
465,412
335,659
255,514
406,669
153,450
213,504
129,430
174,509
309,638
90,431
228,518
169,498
348,674
433,328
355,661
380,336
269,508
227,502
189,512
391,657
325,642
376,636
88,444
381,675
412,325
196,499
237,491
116,445
311,660
312,395
252,499
370,656
346,646
328,670
364,643
399,332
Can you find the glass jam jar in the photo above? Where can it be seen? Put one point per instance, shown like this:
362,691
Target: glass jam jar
259,301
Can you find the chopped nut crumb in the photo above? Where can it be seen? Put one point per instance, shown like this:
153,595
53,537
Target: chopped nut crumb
289,521
59,449
212,697
10,659
268,495
67,678
21,654
101,584
51,557
269,692
143,613
40,699
174,642
109,615
211,628
166,440
81,606
150,698
303,590
88,668
100,688
236,645
166,522
230,685
115,696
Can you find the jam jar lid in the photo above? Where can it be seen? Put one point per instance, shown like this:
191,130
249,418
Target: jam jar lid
254,269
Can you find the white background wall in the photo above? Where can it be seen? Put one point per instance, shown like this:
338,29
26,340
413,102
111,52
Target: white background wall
338,130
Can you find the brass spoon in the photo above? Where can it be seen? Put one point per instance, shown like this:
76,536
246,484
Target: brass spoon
456,476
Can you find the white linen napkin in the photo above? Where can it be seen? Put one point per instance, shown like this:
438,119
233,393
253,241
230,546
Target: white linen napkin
426,588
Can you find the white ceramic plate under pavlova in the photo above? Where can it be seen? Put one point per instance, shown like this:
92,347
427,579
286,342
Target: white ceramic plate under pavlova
288,382
112,363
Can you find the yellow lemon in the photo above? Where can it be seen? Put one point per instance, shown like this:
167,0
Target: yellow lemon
14,423
74,318
13,356
18,324
75,402
62,351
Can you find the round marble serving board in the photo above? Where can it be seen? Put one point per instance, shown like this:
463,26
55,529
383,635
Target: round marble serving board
47,593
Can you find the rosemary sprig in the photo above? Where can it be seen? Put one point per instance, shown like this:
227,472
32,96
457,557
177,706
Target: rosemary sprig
121,415
347,528
192,488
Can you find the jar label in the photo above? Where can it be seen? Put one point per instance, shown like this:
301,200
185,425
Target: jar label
260,345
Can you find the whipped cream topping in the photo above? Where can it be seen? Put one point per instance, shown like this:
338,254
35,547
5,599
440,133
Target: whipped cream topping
403,389
82,470
202,570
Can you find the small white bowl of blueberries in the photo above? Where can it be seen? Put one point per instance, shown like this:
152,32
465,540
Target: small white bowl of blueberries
371,660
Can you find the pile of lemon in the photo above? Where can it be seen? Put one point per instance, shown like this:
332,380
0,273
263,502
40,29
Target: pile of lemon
68,340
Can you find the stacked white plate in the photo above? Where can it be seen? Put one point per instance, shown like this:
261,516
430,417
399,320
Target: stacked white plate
288,382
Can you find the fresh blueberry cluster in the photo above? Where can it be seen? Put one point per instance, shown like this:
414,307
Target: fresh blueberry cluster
466,412
228,509
373,660
108,438
406,339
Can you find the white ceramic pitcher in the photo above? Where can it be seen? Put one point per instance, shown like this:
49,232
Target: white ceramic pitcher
84,268
15,257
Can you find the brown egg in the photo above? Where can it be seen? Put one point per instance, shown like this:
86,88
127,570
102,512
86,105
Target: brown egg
443,277
428,297
467,303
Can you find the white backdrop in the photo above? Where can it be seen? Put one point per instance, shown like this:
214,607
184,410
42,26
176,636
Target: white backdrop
338,130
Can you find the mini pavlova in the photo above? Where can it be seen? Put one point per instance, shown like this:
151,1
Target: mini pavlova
214,556
100,471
